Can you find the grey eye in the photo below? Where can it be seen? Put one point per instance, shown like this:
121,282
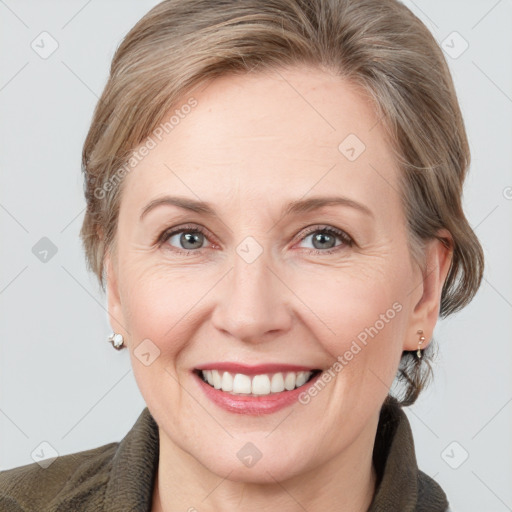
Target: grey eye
188,240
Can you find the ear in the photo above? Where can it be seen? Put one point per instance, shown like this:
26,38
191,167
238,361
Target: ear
425,314
115,310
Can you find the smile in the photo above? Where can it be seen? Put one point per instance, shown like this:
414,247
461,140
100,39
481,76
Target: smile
257,385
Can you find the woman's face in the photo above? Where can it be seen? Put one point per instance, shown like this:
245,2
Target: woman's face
262,282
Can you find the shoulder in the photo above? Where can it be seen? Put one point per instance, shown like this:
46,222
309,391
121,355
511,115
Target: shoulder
80,475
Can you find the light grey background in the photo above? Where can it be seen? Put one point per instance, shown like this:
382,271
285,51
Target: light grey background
62,383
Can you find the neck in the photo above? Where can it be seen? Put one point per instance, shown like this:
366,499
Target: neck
345,482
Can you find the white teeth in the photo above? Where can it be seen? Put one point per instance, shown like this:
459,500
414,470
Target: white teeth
302,377
241,383
277,384
216,379
208,377
289,381
227,382
261,385
257,385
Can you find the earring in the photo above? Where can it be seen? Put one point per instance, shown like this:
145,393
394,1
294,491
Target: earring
422,339
116,340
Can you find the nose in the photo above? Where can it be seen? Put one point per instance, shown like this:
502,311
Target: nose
253,305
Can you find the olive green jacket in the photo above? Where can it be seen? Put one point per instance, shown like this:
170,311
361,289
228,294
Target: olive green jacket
118,477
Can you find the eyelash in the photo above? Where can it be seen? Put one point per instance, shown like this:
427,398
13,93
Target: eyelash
345,238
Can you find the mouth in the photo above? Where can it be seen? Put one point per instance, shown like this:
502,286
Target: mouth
255,384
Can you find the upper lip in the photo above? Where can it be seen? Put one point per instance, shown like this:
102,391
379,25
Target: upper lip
254,369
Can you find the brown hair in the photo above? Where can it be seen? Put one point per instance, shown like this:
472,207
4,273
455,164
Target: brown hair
379,45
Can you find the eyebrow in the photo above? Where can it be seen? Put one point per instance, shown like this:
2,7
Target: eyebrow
293,208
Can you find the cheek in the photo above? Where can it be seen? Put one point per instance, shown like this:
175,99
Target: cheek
359,322
161,303
159,308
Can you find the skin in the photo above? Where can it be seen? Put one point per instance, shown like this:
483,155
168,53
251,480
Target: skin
251,145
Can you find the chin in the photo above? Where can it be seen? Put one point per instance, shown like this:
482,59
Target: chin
274,468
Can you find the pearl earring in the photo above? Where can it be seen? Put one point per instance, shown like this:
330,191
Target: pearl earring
117,340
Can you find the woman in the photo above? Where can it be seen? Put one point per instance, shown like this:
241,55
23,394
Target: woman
232,142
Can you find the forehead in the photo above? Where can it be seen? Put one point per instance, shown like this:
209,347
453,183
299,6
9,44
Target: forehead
269,135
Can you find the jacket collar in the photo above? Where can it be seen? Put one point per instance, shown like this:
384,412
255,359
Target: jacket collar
134,467
401,485
399,481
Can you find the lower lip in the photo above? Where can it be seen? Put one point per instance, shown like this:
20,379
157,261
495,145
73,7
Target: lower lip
257,405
